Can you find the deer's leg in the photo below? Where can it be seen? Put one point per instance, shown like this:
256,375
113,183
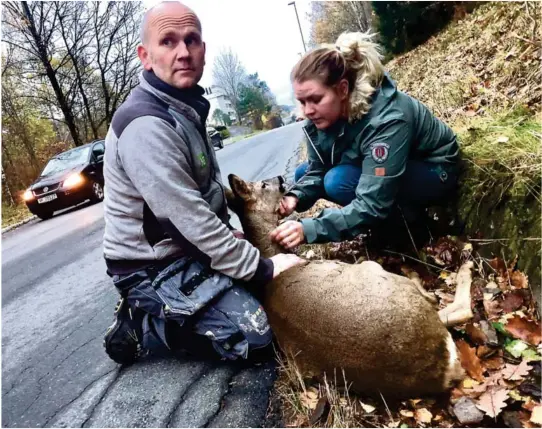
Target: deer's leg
459,311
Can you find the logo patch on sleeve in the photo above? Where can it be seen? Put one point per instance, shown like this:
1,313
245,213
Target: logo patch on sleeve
380,152
380,171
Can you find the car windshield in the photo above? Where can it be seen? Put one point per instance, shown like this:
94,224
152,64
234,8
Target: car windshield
66,160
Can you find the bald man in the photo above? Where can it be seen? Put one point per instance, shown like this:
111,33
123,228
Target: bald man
181,271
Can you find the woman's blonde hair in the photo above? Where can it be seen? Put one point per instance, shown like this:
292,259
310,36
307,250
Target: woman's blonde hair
354,57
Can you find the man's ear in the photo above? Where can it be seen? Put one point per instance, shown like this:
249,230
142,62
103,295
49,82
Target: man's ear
144,57
239,187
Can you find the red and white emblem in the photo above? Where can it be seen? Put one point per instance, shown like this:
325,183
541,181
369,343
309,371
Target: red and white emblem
380,152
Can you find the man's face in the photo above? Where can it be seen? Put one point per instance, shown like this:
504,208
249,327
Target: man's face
173,48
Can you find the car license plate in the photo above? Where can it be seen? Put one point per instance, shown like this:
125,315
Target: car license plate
47,199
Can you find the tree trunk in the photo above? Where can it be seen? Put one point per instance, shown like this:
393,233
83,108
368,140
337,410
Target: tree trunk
70,122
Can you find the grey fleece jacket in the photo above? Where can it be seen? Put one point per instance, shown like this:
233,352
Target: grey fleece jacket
163,192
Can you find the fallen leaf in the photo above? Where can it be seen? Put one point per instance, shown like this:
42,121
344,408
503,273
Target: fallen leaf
524,418
475,334
470,361
493,308
469,383
516,396
320,412
493,401
530,405
367,408
498,265
308,399
519,280
515,347
516,372
524,329
512,301
530,389
406,413
493,363
470,113
502,139
414,402
423,415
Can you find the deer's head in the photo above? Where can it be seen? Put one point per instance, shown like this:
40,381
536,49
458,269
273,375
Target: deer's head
256,204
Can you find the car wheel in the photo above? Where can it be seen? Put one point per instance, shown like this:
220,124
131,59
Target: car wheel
45,215
97,192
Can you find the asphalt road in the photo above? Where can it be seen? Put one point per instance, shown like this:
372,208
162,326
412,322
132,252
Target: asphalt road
57,302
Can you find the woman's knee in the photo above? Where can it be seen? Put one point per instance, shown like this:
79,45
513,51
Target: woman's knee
340,183
300,171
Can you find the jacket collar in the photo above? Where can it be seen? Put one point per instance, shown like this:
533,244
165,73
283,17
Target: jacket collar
189,101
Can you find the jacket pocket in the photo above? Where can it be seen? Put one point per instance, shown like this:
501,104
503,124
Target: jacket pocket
186,286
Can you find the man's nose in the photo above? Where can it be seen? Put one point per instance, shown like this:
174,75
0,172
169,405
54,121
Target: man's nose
182,51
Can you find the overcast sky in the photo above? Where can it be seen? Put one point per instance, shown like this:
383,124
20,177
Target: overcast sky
264,33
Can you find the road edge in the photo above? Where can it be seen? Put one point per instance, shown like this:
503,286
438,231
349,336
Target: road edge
18,224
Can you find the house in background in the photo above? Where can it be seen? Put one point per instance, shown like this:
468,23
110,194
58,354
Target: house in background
218,100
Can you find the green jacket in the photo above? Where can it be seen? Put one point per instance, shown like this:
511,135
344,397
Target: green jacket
397,128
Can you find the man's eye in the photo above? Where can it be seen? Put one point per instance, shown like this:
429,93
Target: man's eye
317,100
167,42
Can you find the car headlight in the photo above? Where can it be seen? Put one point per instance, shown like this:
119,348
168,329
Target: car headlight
28,195
74,180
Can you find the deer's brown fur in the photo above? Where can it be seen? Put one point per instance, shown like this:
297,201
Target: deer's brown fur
377,326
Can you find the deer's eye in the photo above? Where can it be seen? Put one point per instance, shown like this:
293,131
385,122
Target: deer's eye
264,185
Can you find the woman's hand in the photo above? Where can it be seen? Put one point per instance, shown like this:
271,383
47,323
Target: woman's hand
283,262
289,234
287,205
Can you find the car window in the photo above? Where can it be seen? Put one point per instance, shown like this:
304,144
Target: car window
66,161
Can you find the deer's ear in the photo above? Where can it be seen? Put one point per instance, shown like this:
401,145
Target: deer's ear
239,187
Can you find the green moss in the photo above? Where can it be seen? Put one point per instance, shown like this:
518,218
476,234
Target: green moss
500,185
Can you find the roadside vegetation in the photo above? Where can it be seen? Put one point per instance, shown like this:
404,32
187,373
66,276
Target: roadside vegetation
482,75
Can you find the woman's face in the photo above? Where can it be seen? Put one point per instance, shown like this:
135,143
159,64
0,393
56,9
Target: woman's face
322,104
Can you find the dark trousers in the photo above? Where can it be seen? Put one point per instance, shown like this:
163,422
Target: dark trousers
422,185
187,306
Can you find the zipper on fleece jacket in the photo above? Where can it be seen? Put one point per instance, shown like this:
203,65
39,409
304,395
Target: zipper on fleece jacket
313,146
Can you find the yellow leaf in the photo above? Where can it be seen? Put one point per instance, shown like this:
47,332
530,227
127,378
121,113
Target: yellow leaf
413,402
307,400
406,413
443,275
423,415
536,415
467,247
469,383
367,408
516,396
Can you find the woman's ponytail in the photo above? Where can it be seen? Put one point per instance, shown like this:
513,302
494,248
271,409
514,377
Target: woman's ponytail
353,57
363,57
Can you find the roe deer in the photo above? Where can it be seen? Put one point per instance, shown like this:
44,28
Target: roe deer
382,329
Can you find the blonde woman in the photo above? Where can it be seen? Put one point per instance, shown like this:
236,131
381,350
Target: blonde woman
372,149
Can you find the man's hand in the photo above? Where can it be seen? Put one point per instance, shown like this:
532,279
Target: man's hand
289,234
283,262
287,205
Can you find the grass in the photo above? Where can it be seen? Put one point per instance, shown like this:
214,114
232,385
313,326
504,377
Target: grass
246,136
14,214
503,151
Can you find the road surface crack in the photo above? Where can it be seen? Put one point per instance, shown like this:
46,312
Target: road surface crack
104,394
58,343
87,387
205,370
39,388
226,393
